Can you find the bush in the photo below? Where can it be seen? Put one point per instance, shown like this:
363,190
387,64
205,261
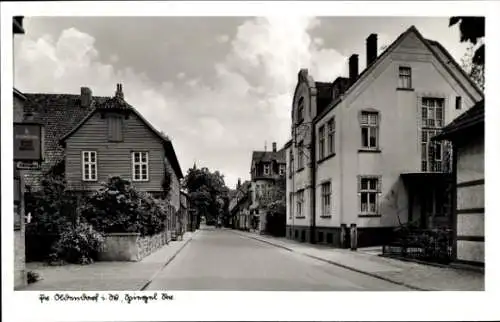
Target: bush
79,245
33,277
117,208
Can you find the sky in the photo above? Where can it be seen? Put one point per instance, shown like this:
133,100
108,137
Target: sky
219,87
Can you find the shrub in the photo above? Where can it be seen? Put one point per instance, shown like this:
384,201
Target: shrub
117,207
79,245
33,277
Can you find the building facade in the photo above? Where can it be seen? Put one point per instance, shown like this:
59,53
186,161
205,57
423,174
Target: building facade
267,167
467,136
20,274
361,160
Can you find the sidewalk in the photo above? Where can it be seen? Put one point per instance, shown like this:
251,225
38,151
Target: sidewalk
105,276
413,275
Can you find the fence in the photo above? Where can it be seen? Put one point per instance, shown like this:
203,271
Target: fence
425,245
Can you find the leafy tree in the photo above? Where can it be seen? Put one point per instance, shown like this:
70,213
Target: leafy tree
472,29
475,71
208,192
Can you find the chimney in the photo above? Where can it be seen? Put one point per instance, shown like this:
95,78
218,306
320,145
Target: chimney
85,97
371,49
119,91
353,68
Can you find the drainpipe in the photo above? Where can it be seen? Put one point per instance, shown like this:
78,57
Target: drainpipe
313,184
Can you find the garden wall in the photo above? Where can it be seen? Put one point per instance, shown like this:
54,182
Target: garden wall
131,247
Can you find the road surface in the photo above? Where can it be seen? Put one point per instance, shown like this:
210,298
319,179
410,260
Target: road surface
222,260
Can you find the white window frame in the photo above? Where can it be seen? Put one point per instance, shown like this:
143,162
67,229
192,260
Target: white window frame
326,198
431,125
321,142
267,169
372,125
282,169
331,136
88,164
140,163
372,192
404,78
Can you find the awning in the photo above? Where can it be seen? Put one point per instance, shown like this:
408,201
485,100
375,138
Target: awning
425,178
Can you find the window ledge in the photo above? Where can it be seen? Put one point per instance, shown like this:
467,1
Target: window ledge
326,158
405,89
369,215
300,217
90,180
325,216
301,169
366,150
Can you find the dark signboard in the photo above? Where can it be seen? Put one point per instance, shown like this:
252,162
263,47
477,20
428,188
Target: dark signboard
28,142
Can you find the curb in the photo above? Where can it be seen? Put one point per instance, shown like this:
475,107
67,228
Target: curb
164,265
340,265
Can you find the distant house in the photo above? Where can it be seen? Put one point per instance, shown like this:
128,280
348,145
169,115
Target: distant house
94,138
239,206
466,133
361,153
266,168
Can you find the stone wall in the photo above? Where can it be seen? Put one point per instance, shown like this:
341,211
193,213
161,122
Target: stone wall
131,247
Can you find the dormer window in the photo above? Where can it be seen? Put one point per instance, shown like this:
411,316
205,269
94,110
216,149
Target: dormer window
282,169
266,169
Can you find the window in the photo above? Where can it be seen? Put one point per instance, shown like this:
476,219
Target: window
369,189
404,77
291,163
300,203
140,166
291,205
321,142
115,128
432,122
282,169
369,130
266,169
325,198
458,102
300,157
300,110
89,165
331,136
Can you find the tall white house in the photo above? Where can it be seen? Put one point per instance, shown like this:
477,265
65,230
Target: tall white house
361,153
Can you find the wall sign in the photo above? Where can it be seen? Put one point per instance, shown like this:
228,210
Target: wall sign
28,141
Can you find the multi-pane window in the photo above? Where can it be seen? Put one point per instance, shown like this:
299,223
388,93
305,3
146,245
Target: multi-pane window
300,110
266,169
325,198
300,157
321,142
404,77
282,169
89,165
115,128
432,122
300,203
140,166
331,135
368,191
369,130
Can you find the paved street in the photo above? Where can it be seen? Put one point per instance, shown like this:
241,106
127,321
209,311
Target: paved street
224,260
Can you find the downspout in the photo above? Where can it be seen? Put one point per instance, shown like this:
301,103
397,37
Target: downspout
313,183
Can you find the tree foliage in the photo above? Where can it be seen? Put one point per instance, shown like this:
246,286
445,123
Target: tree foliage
472,29
475,71
207,191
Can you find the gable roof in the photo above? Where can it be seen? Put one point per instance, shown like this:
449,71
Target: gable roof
267,156
117,103
469,119
58,113
432,45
